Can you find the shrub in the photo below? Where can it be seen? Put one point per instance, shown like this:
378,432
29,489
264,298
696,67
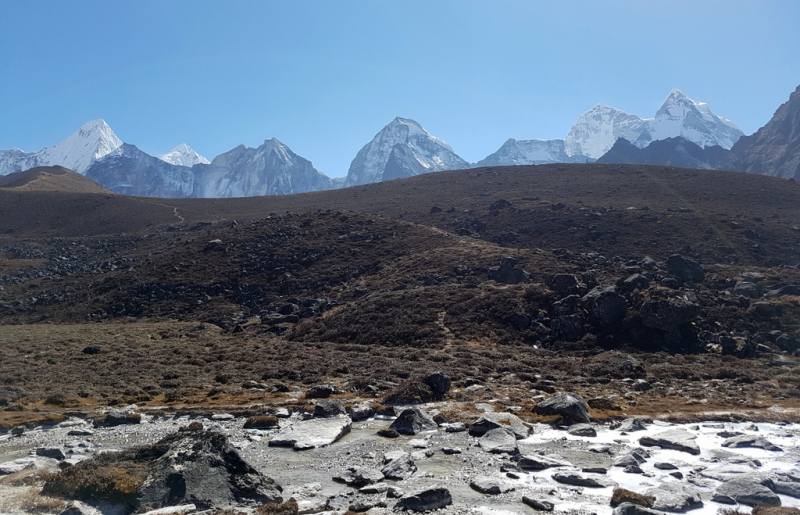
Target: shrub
621,495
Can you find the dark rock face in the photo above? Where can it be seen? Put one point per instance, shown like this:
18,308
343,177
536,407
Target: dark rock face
685,269
425,500
668,314
438,382
563,284
746,490
329,408
489,421
676,151
605,305
400,468
413,421
203,469
507,274
571,407
775,148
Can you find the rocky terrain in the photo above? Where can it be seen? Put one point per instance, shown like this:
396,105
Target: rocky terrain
663,294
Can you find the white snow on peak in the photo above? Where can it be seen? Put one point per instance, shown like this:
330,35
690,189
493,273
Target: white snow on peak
183,155
421,153
596,130
92,141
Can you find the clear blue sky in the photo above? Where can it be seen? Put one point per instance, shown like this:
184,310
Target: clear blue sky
325,76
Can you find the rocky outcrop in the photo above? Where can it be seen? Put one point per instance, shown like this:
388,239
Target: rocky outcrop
571,407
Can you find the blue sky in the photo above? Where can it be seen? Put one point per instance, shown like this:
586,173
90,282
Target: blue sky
323,77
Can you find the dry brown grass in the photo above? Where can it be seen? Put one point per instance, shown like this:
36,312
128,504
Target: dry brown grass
775,510
621,495
32,501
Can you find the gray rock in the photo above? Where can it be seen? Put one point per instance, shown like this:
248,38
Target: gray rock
400,468
633,458
507,274
636,282
173,510
425,500
489,485
668,314
362,411
282,413
451,450
595,470
729,472
629,425
359,476
499,441
676,439
413,421
489,421
80,432
29,463
633,469
665,466
751,441
51,452
320,391
456,427
222,417
605,305
202,468
627,508
537,504
394,493
571,407
789,488
309,434
310,499
675,497
563,284
80,508
582,430
438,382
123,416
329,408
746,490
747,289
685,269
377,488
571,478
536,462
641,385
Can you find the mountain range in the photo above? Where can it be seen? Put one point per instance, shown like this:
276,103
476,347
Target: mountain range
683,132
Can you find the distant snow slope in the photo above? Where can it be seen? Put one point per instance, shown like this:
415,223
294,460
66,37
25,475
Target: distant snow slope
183,155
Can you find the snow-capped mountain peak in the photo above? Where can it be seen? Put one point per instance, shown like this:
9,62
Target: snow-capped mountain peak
596,130
91,142
183,155
401,149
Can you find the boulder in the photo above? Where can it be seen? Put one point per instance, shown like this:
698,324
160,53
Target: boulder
746,490
402,467
635,282
627,508
605,305
499,441
489,421
630,425
79,508
413,421
361,411
789,488
571,407
563,284
425,500
685,269
536,462
438,382
51,452
127,415
758,442
201,468
582,430
489,485
676,439
29,463
571,478
309,498
309,434
507,274
320,391
358,477
668,314
675,497
261,422
329,408
536,504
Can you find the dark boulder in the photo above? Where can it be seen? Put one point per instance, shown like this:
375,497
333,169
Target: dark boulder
438,382
329,408
668,314
685,269
563,284
606,306
571,407
425,500
320,391
413,421
506,273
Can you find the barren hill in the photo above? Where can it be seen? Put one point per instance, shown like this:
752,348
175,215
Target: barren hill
52,178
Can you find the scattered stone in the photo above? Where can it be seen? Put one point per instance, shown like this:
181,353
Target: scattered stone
751,441
489,485
425,500
571,478
536,462
507,274
80,432
627,508
362,411
665,466
633,469
675,497
499,441
413,421
309,434
51,452
358,477
456,427
537,504
745,490
642,386
595,470
127,415
489,421
388,433
402,467
571,407
676,439
451,450
79,508
309,498
582,430
377,488
419,443
629,425
394,493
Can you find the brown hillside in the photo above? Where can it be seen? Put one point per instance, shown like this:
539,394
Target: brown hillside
51,178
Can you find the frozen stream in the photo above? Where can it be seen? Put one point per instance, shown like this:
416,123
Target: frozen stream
362,447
